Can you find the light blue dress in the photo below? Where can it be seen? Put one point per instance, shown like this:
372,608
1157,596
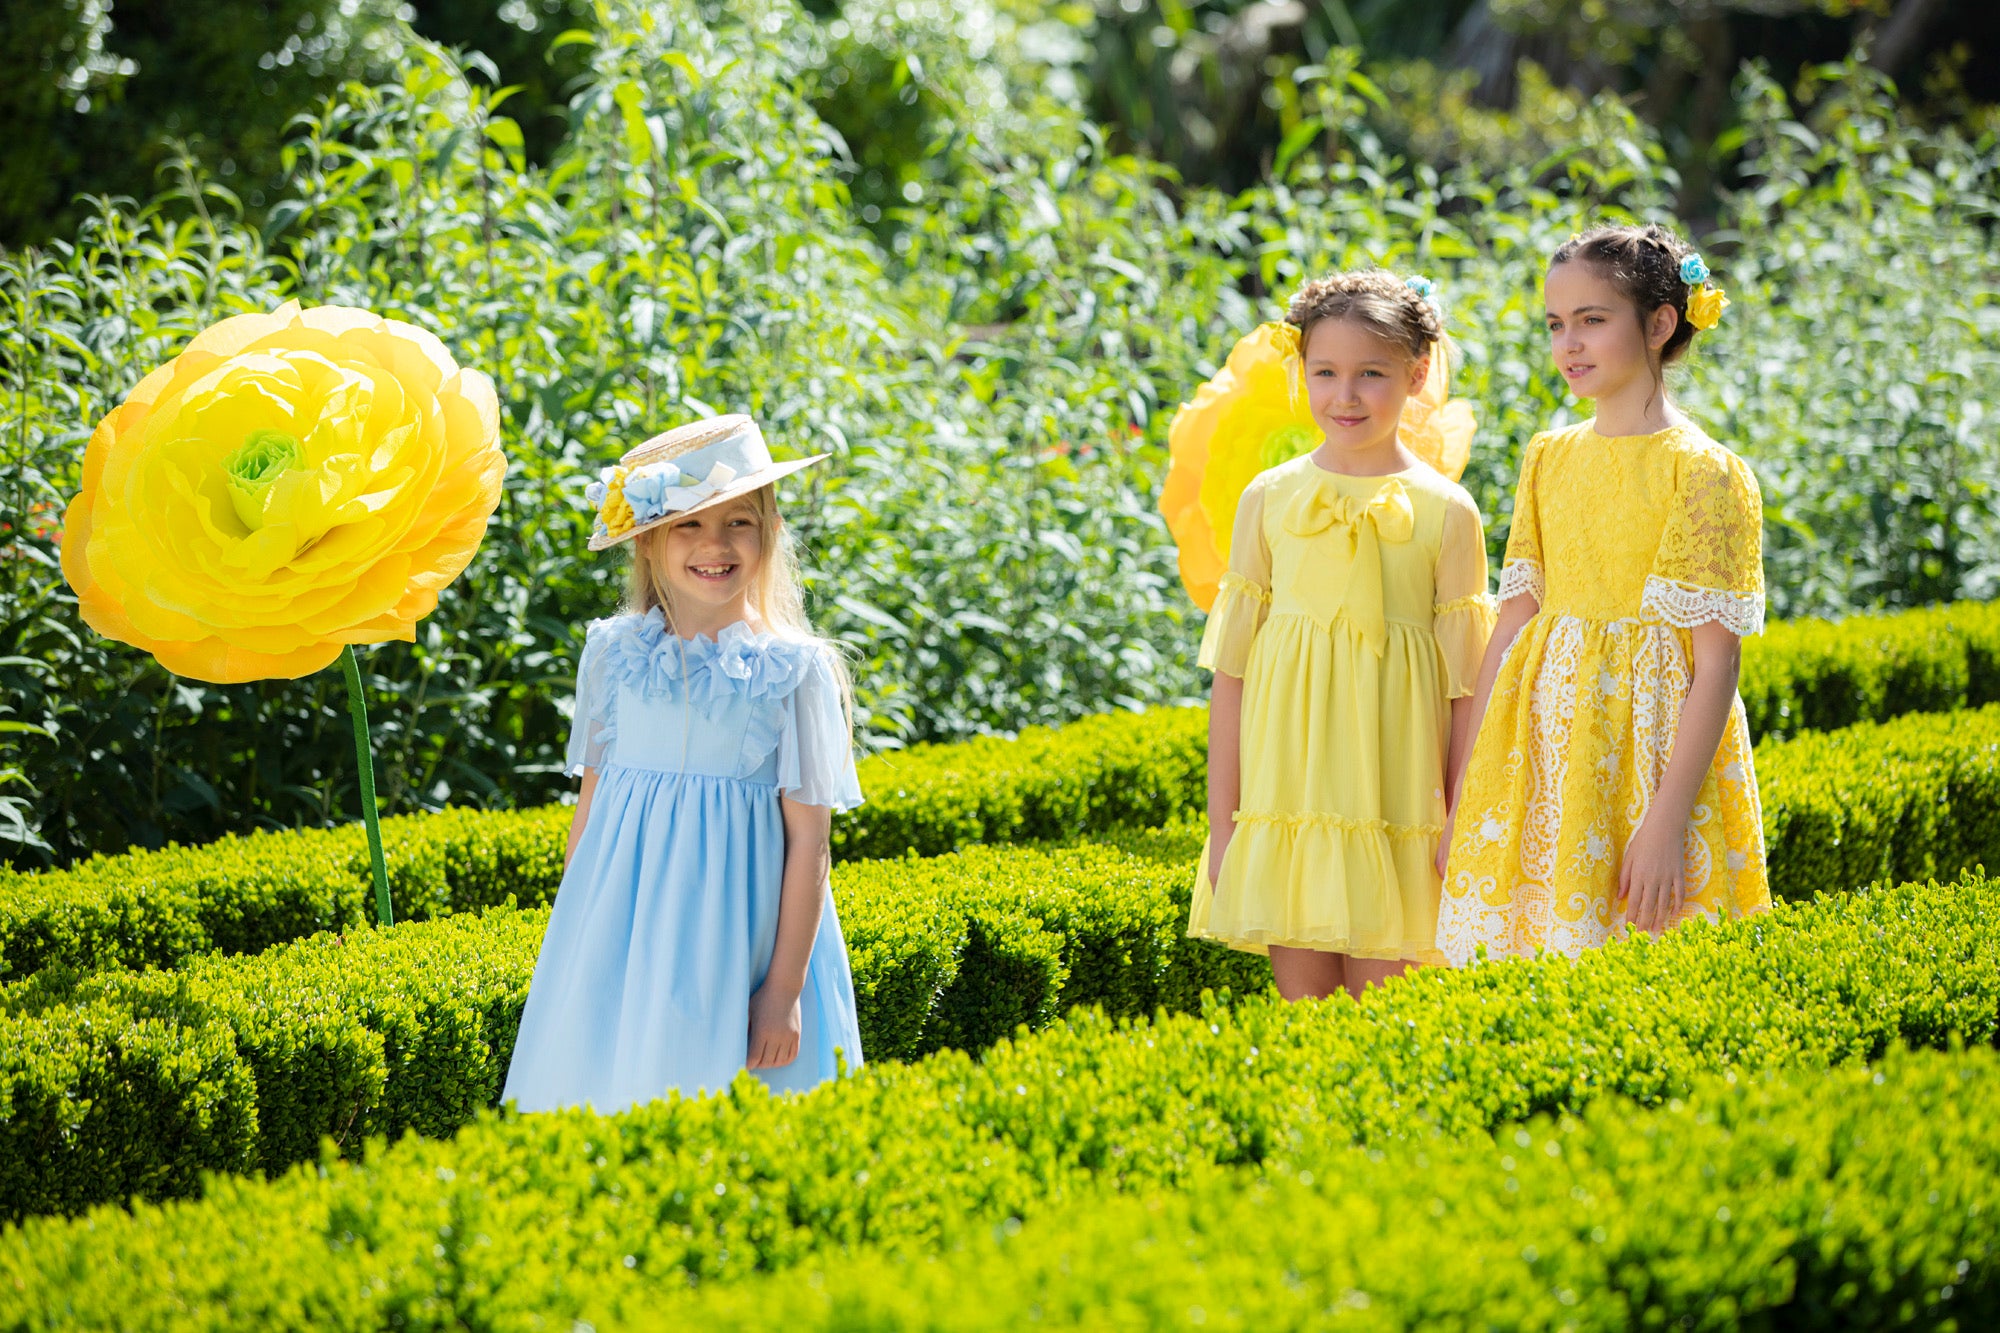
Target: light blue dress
668,913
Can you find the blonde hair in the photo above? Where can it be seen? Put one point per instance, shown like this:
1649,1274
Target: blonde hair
775,596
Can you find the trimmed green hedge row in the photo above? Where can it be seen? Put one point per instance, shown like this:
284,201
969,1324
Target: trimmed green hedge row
242,895
133,1083
1820,675
1835,1200
120,1083
541,1220
1835,819
1901,800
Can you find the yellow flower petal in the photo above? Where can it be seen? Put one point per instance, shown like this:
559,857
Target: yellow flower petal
1705,307
291,483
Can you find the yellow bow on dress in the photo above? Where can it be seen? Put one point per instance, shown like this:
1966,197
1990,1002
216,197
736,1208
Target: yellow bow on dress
1366,522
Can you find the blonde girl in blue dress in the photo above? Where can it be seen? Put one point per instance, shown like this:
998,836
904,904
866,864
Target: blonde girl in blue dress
694,934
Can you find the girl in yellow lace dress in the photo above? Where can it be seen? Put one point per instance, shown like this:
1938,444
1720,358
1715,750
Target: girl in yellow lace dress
1610,785
1353,615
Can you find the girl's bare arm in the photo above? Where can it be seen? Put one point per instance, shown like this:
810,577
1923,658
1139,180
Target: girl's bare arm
774,1009
577,820
1652,883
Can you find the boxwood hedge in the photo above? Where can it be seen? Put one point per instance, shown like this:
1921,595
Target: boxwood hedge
1835,1200
541,1220
117,1083
121,1083
155,909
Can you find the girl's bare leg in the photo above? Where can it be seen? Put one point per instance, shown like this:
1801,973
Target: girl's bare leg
1308,974
1361,973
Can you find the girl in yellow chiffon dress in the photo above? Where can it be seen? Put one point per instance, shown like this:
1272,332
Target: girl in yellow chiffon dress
1354,610
1623,549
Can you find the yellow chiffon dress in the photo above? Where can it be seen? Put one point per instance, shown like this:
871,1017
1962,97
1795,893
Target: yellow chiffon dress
1354,609
1626,544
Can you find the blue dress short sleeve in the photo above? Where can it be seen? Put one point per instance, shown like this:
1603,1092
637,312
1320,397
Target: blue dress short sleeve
816,746
593,720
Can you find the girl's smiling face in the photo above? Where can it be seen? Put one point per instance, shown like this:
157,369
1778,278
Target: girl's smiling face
710,559
1357,382
1603,345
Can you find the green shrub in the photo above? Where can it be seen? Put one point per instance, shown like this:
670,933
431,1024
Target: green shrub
1820,675
241,895
1907,799
156,909
566,1216
1836,1200
1107,771
377,1032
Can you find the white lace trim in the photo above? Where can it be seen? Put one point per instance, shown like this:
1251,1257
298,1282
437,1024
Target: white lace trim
1684,606
1523,576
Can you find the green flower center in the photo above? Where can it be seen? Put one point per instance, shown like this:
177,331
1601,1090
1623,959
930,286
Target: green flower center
263,457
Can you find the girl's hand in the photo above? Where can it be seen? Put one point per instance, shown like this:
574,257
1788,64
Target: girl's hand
1444,842
774,1028
1652,880
1218,847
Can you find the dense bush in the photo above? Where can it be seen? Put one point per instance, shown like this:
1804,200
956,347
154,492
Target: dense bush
132,1083
1820,675
1895,800
1831,1200
239,895
994,367
1834,813
411,1027
575,1216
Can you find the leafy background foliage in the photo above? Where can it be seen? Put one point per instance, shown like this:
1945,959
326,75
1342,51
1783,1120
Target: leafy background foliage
894,231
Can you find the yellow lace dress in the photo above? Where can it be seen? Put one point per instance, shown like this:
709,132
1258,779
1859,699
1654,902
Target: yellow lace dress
1626,544
1354,609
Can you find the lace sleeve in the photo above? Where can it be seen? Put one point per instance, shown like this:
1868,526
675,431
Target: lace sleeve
816,745
1463,615
1710,564
593,716
1244,598
1521,572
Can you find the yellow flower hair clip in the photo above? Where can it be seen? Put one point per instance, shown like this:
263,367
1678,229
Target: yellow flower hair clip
1705,304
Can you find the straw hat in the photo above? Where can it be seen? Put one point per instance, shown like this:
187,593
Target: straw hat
688,469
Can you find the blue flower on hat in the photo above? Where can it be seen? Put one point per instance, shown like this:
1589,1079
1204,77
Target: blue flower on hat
647,487
1694,272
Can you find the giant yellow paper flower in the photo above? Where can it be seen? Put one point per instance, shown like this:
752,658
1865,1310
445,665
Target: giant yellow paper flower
1252,416
289,484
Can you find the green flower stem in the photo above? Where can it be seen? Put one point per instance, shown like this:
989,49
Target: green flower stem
364,761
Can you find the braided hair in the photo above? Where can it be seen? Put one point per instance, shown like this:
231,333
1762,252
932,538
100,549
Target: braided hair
1380,302
1643,263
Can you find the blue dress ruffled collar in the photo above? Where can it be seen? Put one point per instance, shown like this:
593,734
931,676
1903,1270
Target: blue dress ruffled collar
738,662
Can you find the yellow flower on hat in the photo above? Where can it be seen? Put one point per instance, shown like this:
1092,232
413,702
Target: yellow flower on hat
1252,416
288,485
1705,307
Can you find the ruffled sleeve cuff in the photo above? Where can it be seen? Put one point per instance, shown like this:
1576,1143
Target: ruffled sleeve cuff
1523,577
816,745
1233,622
1462,627
1684,605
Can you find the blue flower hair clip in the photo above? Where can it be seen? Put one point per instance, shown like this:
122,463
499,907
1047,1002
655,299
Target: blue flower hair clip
1424,288
1694,271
